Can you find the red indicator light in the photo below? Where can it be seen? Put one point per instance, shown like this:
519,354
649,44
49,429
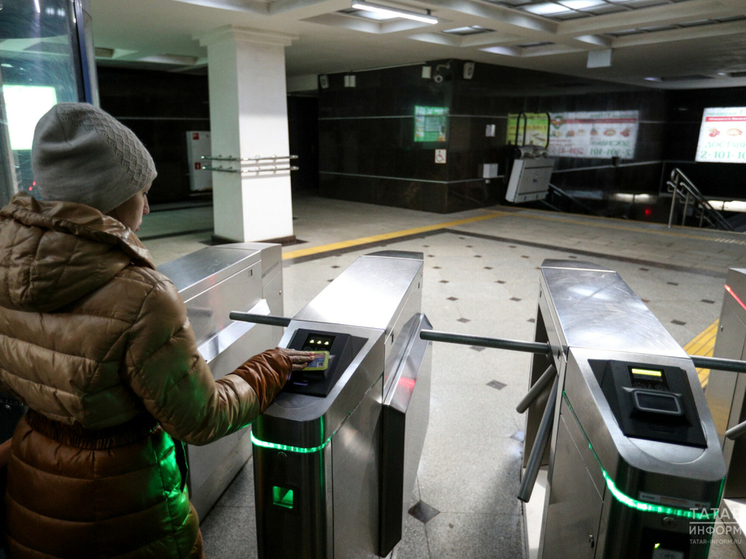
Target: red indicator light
729,290
30,188
648,212
34,183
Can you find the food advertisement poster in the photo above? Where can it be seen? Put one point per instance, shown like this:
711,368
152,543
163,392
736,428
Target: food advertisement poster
722,137
430,124
601,135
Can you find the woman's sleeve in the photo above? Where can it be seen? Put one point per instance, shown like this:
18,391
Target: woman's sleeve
164,368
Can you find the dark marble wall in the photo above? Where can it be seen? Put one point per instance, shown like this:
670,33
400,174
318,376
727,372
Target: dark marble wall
367,147
159,107
303,125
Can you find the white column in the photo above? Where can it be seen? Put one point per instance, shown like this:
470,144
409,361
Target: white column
248,118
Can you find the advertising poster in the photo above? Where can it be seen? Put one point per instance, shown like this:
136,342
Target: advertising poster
722,137
430,124
536,129
602,134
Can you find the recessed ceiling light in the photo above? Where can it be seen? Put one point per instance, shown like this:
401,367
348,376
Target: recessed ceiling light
471,30
369,15
653,79
398,12
582,4
545,9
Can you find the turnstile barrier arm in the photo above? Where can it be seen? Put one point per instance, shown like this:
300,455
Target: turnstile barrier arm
540,444
732,365
268,319
536,389
735,432
496,343
719,364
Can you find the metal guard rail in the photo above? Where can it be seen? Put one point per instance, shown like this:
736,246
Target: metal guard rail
682,187
563,194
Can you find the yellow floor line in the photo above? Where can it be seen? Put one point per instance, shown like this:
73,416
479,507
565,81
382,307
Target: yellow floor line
703,345
385,236
632,229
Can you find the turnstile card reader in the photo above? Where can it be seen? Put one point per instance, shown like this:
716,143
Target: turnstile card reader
336,455
653,403
319,381
635,468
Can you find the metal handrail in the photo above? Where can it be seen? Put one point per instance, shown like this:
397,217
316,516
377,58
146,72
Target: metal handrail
248,159
572,199
682,187
250,170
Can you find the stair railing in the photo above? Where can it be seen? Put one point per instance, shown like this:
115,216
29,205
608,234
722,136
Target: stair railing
684,190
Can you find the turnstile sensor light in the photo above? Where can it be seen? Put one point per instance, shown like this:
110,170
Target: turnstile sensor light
646,372
282,497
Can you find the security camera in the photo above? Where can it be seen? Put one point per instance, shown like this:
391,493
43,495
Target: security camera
438,78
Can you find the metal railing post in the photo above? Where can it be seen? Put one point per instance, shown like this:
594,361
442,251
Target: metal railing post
673,203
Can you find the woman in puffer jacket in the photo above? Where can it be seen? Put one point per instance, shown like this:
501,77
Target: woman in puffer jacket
97,343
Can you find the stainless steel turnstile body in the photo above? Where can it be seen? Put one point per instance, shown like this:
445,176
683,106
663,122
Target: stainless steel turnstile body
336,454
621,485
213,282
726,394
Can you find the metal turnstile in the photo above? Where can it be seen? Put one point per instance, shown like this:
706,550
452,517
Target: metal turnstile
336,454
726,394
212,282
635,468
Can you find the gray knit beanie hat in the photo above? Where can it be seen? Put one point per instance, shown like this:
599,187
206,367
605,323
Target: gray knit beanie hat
82,154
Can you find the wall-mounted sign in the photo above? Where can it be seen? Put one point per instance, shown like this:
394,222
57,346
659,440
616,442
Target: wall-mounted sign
601,135
535,125
440,156
430,124
722,136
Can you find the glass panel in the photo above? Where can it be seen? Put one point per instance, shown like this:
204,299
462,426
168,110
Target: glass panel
38,67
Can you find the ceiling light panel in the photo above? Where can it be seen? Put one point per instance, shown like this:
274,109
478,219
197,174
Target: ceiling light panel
471,30
563,10
369,15
582,4
397,12
545,9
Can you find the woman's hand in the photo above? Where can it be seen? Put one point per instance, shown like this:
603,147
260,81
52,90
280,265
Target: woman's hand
299,358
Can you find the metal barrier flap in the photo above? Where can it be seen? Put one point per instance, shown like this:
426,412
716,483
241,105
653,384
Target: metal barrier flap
406,411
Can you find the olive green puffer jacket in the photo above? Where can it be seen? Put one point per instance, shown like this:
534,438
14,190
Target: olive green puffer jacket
97,343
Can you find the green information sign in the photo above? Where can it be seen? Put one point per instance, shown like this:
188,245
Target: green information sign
430,124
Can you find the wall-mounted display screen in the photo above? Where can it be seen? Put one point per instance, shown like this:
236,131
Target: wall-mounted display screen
25,105
430,124
598,135
535,125
722,136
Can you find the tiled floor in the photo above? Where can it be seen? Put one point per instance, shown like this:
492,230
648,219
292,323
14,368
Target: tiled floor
480,278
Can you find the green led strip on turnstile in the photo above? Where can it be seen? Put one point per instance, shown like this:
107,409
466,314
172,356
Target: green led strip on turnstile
298,449
634,503
288,448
